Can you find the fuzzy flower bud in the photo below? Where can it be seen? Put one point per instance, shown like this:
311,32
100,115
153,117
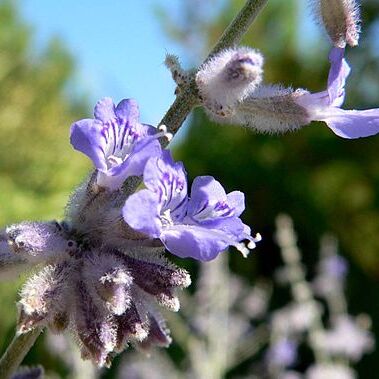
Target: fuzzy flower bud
340,19
110,280
158,335
38,241
227,78
10,264
43,297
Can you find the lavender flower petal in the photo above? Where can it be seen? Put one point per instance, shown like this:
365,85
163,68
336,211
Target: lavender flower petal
142,151
209,201
104,110
128,110
168,179
87,137
338,73
141,212
191,241
353,123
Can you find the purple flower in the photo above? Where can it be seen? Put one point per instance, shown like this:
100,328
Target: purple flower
282,353
325,106
116,142
200,226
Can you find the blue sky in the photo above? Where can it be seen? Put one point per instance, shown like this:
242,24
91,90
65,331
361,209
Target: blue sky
119,47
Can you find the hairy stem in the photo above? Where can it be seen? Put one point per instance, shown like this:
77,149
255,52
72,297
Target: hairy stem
187,99
232,35
16,352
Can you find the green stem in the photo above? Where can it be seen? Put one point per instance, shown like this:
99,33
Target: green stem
16,352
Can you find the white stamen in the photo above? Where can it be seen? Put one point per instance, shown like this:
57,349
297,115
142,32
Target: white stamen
241,247
251,245
113,160
166,218
258,237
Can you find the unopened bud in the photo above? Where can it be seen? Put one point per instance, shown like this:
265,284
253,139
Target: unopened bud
341,20
227,78
39,241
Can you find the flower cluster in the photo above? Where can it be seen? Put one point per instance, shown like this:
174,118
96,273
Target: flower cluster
101,272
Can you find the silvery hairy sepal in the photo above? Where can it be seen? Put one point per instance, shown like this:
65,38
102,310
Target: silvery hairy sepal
227,78
340,18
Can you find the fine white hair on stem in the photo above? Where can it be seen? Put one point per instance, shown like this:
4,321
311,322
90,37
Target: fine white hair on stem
340,19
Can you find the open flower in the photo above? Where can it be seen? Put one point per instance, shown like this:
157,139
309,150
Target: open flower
199,227
275,109
325,106
116,142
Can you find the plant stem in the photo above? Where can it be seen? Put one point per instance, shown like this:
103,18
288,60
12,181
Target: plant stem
16,352
187,99
232,35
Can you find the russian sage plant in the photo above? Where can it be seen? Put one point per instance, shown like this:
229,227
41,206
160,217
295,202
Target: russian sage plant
102,271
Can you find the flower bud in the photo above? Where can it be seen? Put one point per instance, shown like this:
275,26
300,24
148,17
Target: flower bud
340,19
227,78
10,264
39,241
43,297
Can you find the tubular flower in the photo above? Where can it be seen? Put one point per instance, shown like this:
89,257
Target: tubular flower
275,109
200,226
116,142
